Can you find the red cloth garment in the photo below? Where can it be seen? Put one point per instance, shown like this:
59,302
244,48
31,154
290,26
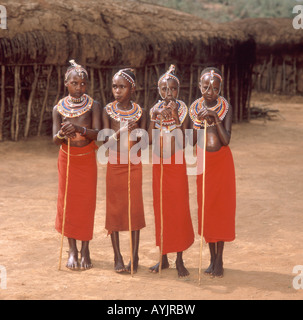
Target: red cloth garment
220,196
178,233
117,195
81,192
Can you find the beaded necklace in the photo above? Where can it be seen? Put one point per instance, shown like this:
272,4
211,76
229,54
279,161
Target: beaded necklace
71,107
169,124
117,114
220,108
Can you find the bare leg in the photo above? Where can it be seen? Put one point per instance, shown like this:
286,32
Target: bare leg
182,271
85,256
135,243
156,267
212,250
119,264
72,261
218,267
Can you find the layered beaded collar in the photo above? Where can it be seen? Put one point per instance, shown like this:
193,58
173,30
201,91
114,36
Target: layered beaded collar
71,107
169,124
117,114
220,108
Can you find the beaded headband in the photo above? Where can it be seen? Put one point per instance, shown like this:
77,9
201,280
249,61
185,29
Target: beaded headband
126,76
169,74
75,67
212,74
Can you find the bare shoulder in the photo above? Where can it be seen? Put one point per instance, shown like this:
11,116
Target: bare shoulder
229,111
56,112
96,106
143,119
104,111
105,117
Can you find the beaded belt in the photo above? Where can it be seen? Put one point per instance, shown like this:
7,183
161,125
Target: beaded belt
77,155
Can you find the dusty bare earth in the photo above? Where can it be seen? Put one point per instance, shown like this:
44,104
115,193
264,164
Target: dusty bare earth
258,264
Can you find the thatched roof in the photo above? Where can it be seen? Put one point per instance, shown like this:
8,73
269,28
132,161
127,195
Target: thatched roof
110,32
271,35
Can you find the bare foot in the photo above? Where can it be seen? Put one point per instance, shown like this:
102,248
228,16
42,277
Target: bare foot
182,271
85,262
72,261
119,265
210,269
165,265
135,265
218,269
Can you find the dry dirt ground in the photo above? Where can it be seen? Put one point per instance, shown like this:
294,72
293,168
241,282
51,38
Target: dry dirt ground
259,264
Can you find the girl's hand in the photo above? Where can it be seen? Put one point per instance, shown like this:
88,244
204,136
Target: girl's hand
68,129
128,126
166,113
172,105
209,115
132,125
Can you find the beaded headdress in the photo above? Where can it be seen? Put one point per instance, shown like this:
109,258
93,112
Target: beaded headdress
126,76
75,67
212,74
169,74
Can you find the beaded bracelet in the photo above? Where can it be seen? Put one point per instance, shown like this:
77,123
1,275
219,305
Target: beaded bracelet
84,133
197,124
59,136
115,136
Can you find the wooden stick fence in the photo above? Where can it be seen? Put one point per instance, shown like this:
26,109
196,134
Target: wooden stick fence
29,92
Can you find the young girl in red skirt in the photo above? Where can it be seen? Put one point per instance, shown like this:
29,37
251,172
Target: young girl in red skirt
220,186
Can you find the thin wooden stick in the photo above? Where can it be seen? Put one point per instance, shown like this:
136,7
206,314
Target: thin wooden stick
203,201
145,86
30,101
222,88
17,106
44,100
161,196
129,213
101,87
236,96
64,205
295,75
17,88
2,101
92,82
59,86
269,74
190,84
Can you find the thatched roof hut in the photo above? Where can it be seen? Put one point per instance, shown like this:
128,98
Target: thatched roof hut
104,35
279,54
